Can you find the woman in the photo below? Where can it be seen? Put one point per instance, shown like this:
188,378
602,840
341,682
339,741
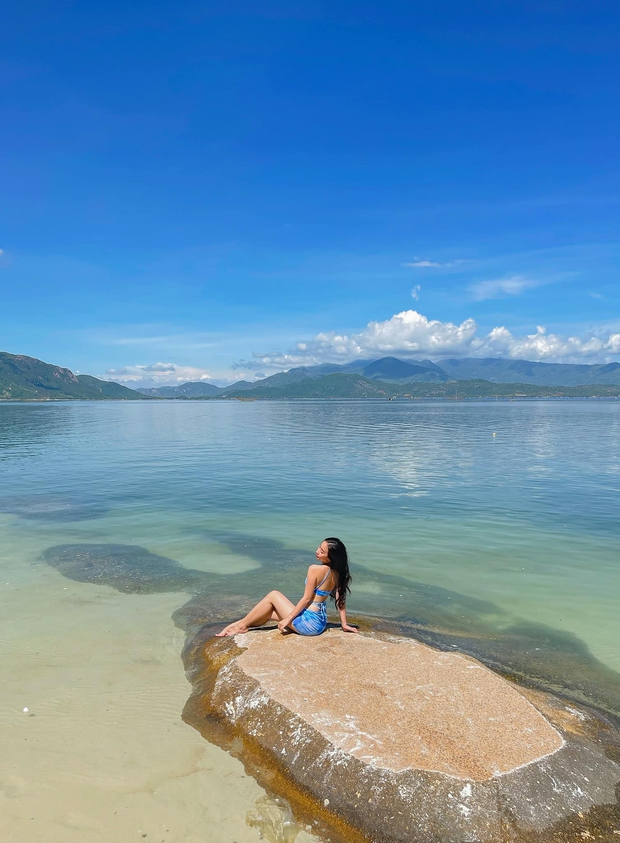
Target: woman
309,616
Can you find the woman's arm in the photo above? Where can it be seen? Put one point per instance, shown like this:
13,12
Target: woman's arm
311,583
343,617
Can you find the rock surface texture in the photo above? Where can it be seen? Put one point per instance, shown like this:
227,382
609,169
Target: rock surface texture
381,738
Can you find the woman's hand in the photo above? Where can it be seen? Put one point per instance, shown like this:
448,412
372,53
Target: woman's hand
283,625
347,628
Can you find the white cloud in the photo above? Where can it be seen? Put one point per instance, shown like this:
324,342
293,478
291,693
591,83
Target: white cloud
262,361
422,264
412,335
415,293
501,287
123,370
595,346
160,367
408,333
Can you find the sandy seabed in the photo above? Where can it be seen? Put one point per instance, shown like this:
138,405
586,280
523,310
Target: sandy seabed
102,753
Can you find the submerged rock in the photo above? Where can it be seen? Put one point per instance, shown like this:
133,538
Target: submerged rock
382,738
128,568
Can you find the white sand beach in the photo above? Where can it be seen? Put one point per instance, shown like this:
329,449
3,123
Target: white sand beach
102,753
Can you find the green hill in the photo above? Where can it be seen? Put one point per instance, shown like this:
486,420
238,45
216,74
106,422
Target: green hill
108,389
356,386
392,369
329,386
26,378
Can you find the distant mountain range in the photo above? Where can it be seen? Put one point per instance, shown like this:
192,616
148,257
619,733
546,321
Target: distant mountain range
197,389
524,371
25,378
392,370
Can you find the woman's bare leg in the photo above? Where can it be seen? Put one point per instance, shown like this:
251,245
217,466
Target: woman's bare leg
274,606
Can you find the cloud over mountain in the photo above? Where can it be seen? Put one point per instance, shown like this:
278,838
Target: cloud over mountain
411,334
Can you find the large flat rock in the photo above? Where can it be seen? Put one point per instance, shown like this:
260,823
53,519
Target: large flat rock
398,704
381,738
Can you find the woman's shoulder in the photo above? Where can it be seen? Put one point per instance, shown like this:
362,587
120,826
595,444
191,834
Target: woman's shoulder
315,569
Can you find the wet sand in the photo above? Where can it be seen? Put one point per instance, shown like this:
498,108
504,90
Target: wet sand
102,753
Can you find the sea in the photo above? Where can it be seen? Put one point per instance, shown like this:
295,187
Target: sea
485,527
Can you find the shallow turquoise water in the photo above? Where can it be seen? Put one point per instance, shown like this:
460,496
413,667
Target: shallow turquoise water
442,518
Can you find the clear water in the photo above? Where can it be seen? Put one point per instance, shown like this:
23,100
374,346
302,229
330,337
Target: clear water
477,519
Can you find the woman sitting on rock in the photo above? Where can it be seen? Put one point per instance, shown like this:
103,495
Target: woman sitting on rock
309,616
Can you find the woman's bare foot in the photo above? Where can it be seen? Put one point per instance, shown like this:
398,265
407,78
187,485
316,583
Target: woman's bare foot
235,628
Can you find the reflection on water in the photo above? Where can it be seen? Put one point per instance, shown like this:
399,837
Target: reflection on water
504,546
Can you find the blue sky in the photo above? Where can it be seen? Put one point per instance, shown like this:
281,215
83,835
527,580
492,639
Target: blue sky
221,190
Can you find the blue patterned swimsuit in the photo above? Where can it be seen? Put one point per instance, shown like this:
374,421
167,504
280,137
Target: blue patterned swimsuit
310,622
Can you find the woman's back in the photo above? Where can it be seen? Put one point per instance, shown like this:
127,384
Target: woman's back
330,577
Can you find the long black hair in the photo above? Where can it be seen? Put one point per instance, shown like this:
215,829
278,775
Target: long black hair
339,563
